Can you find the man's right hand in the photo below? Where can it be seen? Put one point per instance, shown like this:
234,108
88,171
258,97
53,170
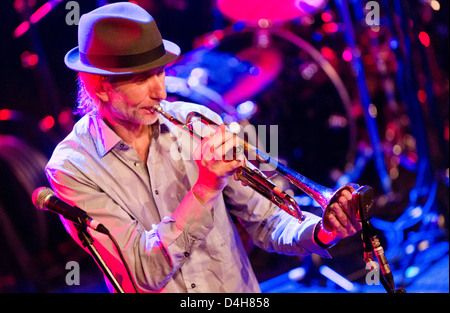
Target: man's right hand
215,168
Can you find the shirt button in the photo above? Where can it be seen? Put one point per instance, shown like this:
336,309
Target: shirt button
156,191
192,285
136,163
186,254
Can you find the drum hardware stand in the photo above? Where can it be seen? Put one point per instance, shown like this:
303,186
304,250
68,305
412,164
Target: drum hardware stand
423,194
366,102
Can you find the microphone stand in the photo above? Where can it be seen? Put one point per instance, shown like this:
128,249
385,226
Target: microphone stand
371,243
88,242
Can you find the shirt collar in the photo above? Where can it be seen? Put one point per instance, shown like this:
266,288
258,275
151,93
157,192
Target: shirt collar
105,138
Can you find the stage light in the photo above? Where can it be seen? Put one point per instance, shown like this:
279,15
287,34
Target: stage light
326,17
423,245
235,127
412,271
417,211
393,43
310,6
422,96
337,278
435,5
347,54
397,149
28,59
245,109
65,117
410,249
328,53
35,17
46,123
264,23
373,112
198,76
40,13
424,39
297,274
21,29
317,36
330,27
5,114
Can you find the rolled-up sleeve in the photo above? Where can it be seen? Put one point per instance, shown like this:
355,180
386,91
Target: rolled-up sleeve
271,228
153,255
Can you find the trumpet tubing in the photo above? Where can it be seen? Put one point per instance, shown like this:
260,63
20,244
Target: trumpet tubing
255,179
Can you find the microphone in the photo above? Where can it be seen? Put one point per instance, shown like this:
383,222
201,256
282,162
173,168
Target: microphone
365,200
44,199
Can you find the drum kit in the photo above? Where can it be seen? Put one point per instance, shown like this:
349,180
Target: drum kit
233,71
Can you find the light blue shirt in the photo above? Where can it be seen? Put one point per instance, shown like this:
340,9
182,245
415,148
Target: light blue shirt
169,240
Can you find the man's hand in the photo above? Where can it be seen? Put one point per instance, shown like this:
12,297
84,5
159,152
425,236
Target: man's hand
214,164
340,219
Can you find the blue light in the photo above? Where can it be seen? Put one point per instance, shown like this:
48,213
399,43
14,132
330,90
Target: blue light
393,43
245,109
412,271
238,26
317,36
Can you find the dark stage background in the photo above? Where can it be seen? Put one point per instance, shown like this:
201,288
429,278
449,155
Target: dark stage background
352,100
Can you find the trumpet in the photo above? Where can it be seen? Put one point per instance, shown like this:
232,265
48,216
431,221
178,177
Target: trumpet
362,195
255,179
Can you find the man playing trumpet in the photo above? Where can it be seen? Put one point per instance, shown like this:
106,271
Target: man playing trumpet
171,217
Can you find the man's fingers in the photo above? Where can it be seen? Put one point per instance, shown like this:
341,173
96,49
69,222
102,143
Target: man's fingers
350,208
219,146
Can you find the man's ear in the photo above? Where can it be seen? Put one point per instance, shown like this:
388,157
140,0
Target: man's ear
102,91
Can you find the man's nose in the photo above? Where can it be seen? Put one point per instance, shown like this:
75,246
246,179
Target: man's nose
157,87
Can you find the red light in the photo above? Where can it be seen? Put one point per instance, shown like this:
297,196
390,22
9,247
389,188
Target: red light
46,123
328,53
347,54
5,114
412,157
21,29
422,96
65,117
35,17
326,17
424,39
40,13
29,59
212,40
446,133
218,34
33,60
330,27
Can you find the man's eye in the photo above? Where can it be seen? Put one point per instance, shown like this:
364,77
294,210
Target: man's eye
144,77
141,78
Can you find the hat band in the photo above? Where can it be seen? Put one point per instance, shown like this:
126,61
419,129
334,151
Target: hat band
123,61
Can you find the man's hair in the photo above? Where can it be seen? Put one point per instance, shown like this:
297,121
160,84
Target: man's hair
87,100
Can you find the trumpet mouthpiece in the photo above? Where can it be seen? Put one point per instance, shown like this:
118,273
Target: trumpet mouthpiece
155,108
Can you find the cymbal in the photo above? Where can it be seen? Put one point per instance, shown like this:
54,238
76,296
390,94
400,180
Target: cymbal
252,11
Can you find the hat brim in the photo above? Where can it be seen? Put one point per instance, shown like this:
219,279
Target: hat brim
72,61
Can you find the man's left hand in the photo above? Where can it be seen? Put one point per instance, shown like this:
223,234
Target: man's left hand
340,219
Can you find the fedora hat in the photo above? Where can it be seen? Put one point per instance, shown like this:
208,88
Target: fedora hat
118,39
